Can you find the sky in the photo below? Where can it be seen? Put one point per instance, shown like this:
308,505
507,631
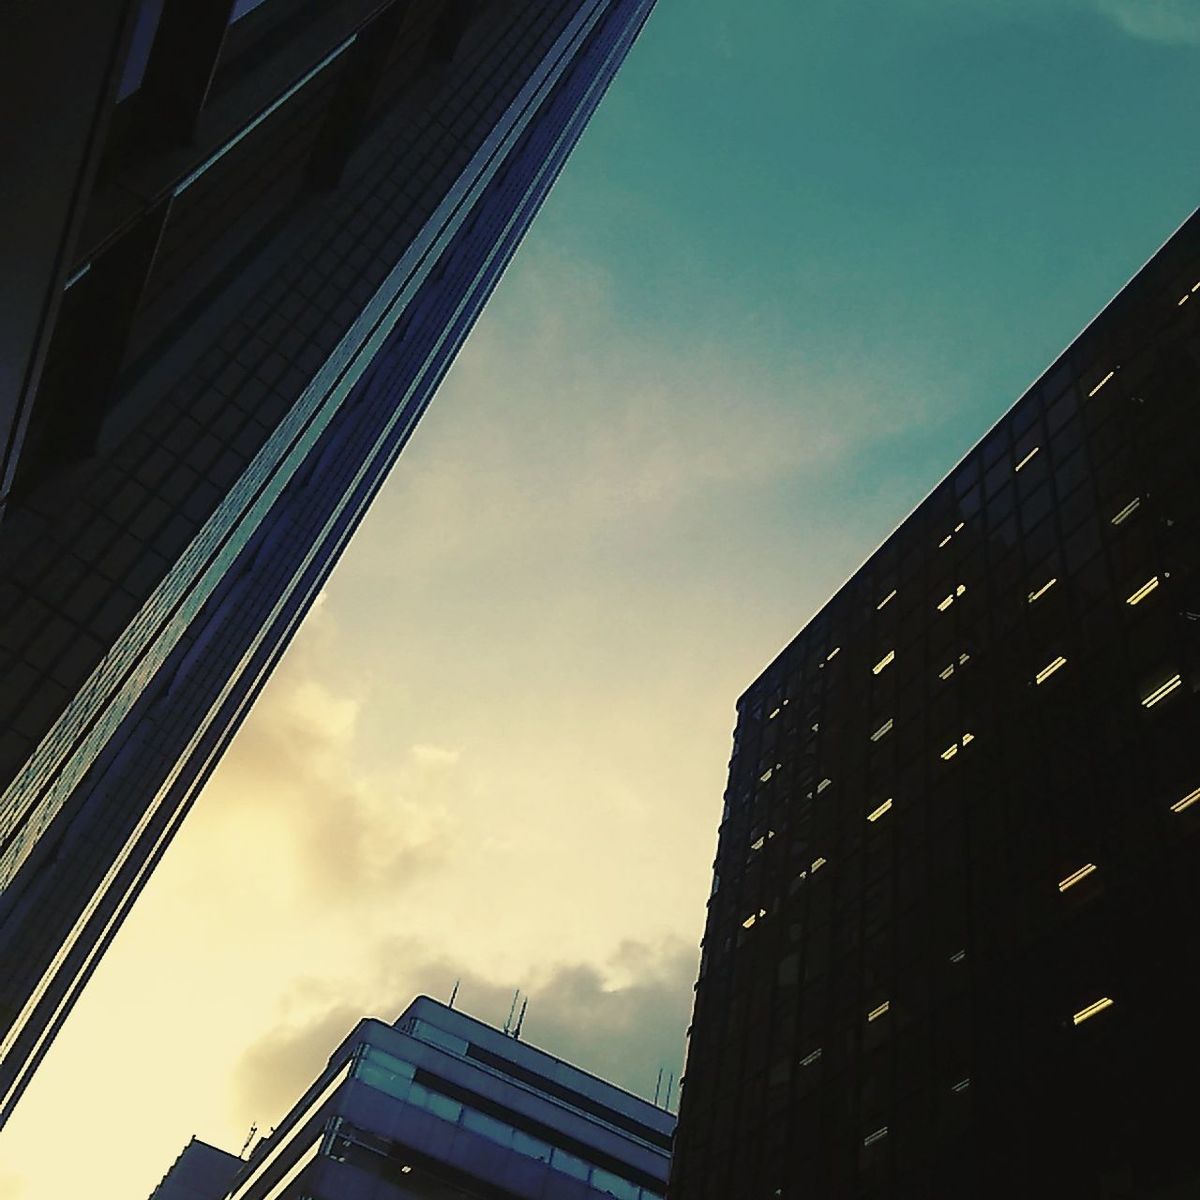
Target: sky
805,255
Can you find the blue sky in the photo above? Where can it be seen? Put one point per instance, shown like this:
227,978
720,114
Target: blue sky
804,256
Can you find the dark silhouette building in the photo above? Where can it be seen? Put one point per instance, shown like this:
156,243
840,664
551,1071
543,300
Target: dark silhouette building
201,1172
442,1106
950,946
242,244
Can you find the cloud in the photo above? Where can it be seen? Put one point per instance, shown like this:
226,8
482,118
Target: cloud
345,833
1171,21
621,1019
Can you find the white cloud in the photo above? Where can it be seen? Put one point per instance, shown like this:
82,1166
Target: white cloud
435,756
1171,21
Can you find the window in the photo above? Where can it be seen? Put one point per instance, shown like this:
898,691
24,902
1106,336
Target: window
878,1135
1162,691
886,600
961,1085
1049,669
1138,596
1121,517
889,657
1075,876
568,1164
489,1127
1186,802
878,1011
1027,459
1101,384
1086,1014
613,1185
531,1147
883,808
809,1059
1038,593
883,730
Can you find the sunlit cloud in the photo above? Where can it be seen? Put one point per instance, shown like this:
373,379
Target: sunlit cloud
1171,21
622,1019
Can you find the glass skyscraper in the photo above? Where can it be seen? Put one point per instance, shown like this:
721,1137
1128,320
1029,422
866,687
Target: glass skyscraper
950,947
246,241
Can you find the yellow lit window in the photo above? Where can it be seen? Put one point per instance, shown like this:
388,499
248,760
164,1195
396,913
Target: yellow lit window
945,541
765,777
950,751
1162,691
774,714
1026,460
946,672
878,1011
818,863
1127,511
1075,876
884,807
889,657
833,654
1097,1006
754,918
1101,384
823,785
1038,593
887,599
1142,592
1186,802
1049,669
883,730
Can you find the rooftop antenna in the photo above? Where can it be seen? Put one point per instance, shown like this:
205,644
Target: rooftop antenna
658,1087
454,993
670,1085
249,1139
521,1019
511,1011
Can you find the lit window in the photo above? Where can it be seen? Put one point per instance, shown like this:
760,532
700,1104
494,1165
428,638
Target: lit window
961,1085
1037,594
754,918
774,714
809,1059
872,1138
963,659
1183,299
1049,669
759,843
946,672
833,654
1127,511
1162,692
1186,802
766,775
958,956
945,541
823,785
1025,461
883,662
884,807
954,747
945,604
1097,1006
1142,592
1101,384
889,597
878,1011
1075,876
883,730
818,863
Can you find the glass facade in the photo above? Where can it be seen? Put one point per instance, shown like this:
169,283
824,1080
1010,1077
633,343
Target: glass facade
283,349
949,948
441,1105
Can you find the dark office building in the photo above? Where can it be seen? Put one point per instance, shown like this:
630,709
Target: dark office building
201,1172
951,945
441,1106
242,244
